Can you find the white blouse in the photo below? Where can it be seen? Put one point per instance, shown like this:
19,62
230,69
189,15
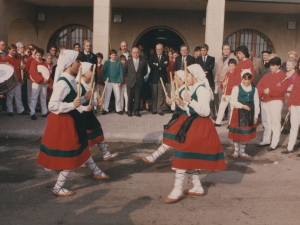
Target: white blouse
202,105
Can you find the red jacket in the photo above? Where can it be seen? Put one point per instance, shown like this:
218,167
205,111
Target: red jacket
270,80
170,69
16,63
28,63
243,64
294,97
99,74
34,75
231,82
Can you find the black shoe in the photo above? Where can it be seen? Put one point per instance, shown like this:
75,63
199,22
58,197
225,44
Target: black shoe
104,112
224,119
10,114
287,151
161,113
38,110
24,113
137,114
217,125
120,113
271,149
214,117
262,145
95,111
33,117
129,114
154,113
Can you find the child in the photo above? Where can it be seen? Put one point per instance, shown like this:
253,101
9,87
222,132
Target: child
172,128
64,145
100,85
242,128
123,92
271,89
198,145
112,69
227,83
94,130
39,85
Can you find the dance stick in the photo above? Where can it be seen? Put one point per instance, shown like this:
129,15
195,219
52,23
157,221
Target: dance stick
172,84
162,84
185,75
79,81
176,82
93,89
104,89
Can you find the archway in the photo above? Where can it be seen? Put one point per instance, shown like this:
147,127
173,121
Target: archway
164,35
21,30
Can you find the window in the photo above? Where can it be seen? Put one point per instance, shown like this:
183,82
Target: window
255,41
69,35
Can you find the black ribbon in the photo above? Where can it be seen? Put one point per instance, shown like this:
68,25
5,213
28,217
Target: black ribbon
181,135
91,121
246,117
79,125
177,113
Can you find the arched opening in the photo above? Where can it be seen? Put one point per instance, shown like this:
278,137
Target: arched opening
69,35
164,35
23,31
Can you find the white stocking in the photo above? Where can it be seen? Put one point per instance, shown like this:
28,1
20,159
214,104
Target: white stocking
177,189
103,148
193,175
159,152
61,180
242,148
93,167
236,147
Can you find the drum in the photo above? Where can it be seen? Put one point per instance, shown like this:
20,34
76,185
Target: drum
8,80
44,71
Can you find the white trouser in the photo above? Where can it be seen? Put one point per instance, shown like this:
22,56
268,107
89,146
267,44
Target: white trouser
295,122
219,91
29,90
109,88
222,107
15,93
123,95
271,120
38,90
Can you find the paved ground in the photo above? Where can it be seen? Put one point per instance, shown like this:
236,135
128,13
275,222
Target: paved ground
263,190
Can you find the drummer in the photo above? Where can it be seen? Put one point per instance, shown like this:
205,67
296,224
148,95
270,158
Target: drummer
16,92
39,84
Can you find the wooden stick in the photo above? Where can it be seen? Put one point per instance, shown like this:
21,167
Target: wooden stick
176,83
92,94
104,88
79,82
162,84
172,84
94,69
185,75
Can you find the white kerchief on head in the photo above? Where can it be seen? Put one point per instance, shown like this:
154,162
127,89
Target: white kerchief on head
244,71
85,67
65,60
180,74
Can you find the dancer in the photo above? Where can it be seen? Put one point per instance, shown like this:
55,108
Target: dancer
171,129
242,128
198,145
65,145
93,126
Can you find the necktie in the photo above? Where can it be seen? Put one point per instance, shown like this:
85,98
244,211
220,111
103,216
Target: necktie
136,65
182,64
159,58
204,59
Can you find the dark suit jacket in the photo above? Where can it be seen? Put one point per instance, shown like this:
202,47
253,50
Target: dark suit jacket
178,60
208,67
93,60
136,77
159,70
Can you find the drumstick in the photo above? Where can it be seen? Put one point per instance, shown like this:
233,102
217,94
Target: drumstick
93,88
162,84
185,75
176,82
79,81
104,89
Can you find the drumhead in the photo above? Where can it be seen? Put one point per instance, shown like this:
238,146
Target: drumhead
6,71
44,71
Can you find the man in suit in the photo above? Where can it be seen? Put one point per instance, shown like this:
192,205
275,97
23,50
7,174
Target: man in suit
87,55
265,59
136,68
158,64
124,51
258,68
179,61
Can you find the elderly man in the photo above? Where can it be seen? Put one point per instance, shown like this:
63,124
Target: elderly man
179,61
136,69
158,64
124,51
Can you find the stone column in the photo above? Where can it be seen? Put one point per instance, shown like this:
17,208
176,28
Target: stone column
101,27
214,30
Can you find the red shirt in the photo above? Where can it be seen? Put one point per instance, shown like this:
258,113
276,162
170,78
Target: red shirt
28,63
294,97
99,74
231,82
34,75
270,80
243,64
16,63
170,69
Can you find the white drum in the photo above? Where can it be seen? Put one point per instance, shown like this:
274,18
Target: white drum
8,80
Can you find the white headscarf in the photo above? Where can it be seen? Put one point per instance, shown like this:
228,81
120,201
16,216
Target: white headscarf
180,74
65,60
85,67
197,71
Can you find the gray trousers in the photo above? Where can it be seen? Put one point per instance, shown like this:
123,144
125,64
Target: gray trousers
158,97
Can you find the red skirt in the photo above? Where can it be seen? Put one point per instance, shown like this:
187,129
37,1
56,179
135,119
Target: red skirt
202,148
60,149
242,134
95,136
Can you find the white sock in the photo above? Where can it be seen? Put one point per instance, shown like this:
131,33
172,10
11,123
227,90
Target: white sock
93,167
61,180
177,189
159,152
193,175
103,148
236,147
242,148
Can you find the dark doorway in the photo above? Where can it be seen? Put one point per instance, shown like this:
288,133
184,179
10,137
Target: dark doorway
165,36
